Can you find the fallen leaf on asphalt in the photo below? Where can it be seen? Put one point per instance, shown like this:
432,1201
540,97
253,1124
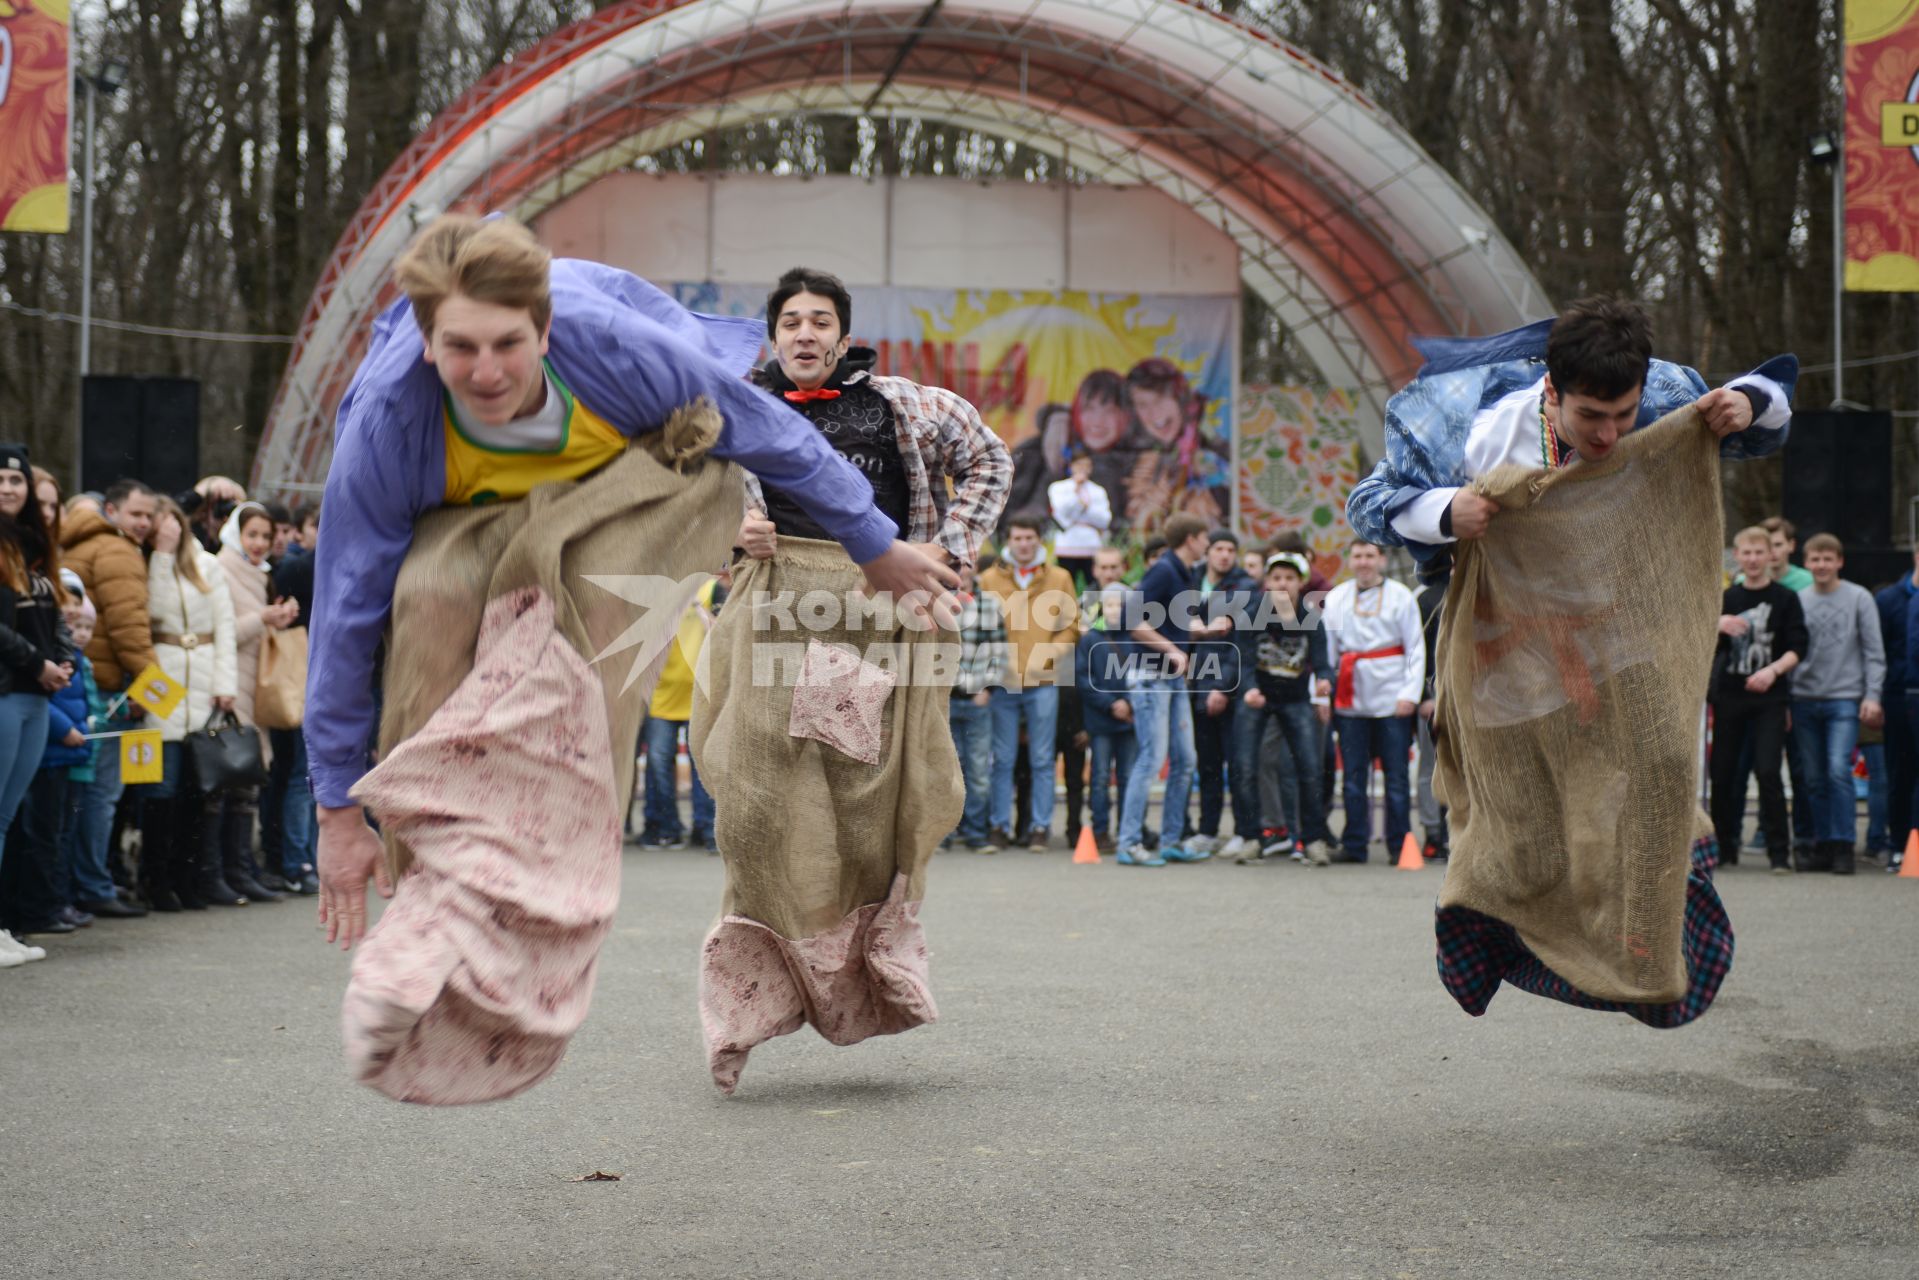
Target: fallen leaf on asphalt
596,1176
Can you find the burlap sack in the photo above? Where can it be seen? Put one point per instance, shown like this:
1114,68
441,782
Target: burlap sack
823,736
507,758
280,689
660,512
1573,657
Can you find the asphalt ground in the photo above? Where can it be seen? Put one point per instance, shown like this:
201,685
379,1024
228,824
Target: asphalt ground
1209,1071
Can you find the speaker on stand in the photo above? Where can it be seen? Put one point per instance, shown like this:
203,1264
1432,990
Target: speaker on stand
146,429
1838,480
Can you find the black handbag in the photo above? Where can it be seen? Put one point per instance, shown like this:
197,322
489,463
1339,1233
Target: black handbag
225,754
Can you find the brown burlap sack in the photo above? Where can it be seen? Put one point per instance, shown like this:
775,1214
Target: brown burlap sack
1573,658
822,734
662,517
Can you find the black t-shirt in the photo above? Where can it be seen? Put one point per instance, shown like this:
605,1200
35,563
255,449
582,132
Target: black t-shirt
1291,655
858,423
1775,626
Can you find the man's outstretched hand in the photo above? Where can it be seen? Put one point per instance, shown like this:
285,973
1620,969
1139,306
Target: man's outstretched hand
913,577
350,854
1726,411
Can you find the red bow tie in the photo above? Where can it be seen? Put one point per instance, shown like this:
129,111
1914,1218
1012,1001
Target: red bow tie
820,393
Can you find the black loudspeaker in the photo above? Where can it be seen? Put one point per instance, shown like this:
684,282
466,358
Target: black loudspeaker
1838,480
147,429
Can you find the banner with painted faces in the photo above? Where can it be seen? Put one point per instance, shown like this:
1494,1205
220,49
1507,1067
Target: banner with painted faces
1138,385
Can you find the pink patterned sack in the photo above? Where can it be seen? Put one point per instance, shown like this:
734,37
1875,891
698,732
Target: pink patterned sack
471,983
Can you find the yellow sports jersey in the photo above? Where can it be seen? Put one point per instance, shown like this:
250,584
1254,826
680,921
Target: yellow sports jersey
478,473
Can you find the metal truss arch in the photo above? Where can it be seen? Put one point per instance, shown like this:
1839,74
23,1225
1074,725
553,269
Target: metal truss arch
1345,227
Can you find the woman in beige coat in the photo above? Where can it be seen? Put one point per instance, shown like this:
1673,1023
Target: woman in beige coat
193,630
245,541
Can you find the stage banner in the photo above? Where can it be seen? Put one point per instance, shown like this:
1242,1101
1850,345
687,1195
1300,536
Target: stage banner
34,120
1143,382
1882,145
1298,458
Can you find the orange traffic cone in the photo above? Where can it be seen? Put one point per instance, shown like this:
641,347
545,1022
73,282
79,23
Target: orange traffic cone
1087,850
1409,859
1909,868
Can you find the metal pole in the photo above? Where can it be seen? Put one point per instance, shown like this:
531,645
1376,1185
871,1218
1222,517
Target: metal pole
1838,284
86,242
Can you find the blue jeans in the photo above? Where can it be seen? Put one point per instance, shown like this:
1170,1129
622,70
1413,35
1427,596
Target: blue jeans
286,808
662,805
1040,708
1296,767
100,799
294,792
1243,775
972,727
1113,758
23,740
82,843
1163,727
1878,839
1824,732
1363,739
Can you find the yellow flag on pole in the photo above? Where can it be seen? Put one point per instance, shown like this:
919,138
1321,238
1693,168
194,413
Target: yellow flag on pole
140,756
156,691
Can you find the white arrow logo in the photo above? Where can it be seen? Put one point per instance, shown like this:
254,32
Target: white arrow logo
662,600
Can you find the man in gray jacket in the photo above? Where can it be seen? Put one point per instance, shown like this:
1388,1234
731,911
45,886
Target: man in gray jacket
1832,694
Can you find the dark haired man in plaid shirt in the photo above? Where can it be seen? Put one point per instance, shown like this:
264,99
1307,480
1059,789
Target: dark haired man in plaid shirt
908,440
982,632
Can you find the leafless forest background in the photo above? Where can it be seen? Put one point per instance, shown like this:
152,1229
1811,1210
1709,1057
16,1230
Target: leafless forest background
1649,147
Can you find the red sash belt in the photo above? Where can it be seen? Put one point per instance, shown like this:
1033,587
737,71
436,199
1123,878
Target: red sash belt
1343,690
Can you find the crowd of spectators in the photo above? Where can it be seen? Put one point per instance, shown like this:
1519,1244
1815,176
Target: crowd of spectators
96,592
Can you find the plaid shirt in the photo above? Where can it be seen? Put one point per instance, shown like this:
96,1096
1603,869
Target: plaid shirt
982,632
942,437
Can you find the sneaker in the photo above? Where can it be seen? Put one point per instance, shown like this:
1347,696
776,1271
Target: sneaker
12,946
1179,853
659,842
1039,839
1347,855
1276,842
1297,855
985,847
1139,856
1104,844
1202,844
74,916
1237,848
699,839
309,885
11,959
1320,853
1781,869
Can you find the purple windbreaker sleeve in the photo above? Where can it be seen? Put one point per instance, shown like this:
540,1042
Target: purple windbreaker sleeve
383,476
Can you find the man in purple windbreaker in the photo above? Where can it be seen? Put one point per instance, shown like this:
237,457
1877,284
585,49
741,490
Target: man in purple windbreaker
503,370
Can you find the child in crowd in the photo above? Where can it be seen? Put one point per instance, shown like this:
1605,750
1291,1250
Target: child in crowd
1100,667
1293,676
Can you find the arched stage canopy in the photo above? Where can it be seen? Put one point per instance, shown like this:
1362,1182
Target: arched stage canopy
1345,227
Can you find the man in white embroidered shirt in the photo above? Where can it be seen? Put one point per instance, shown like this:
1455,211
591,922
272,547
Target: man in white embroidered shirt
1377,647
